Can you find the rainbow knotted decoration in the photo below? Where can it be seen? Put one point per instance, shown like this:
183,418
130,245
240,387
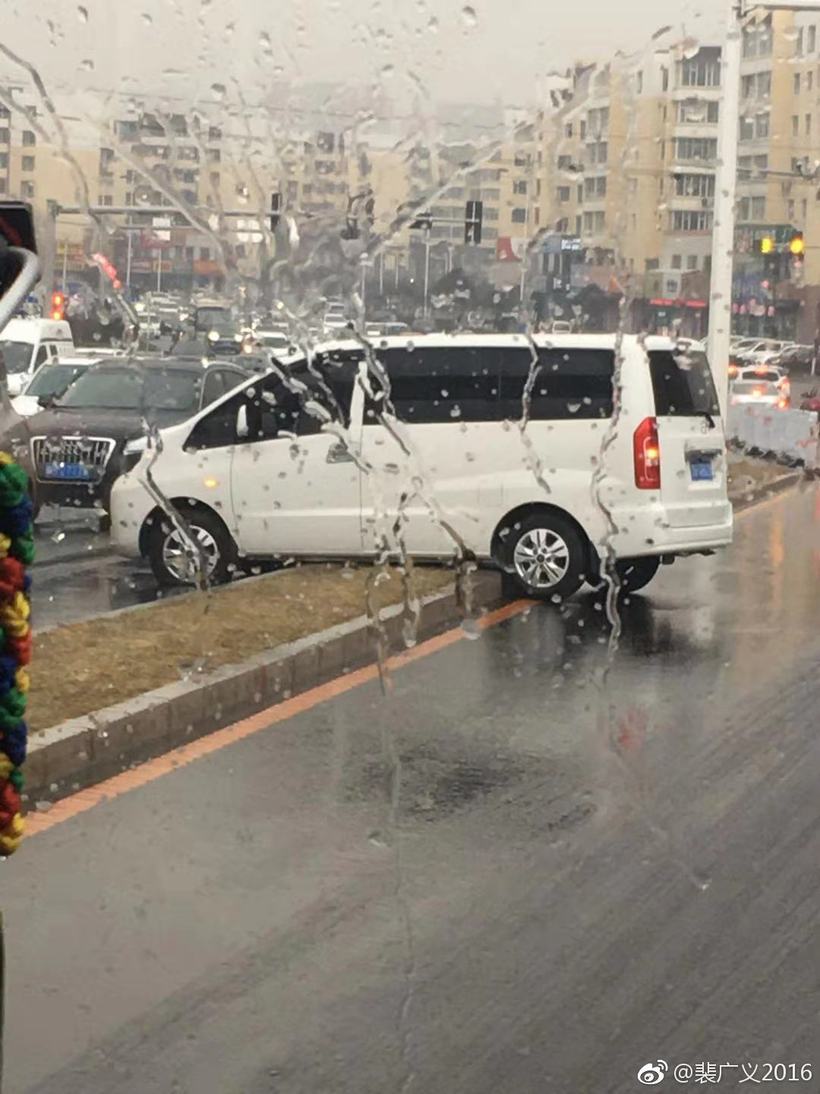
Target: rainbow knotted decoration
16,552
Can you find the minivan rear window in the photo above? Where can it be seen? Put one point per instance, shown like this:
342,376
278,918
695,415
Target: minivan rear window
683,384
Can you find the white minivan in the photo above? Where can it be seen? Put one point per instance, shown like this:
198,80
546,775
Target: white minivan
25,344
423,449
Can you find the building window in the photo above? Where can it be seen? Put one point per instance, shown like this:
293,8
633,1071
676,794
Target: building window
595,222
790,208
490,213
4,136
798,45
809,80
214,133
795,125
702,70
797,83
691,262
205,253
808,124
564,162
519,216
665,79
757,209
697,111
761,126
696,148
639,82
520,186
695,186
29,140
811,40
28,163
563,193
595,188
568,129
686,220
804,209
677,261
3,185
27,188
214,155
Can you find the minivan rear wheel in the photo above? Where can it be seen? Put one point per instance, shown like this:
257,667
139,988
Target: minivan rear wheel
544,556
636,573
169,554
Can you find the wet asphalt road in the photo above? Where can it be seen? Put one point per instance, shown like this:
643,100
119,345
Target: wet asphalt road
599,857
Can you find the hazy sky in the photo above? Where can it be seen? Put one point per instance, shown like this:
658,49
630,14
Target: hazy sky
492,48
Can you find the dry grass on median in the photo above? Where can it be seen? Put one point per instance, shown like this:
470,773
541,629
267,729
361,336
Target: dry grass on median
84,667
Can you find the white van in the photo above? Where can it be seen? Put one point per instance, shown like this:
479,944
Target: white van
439,465
25,344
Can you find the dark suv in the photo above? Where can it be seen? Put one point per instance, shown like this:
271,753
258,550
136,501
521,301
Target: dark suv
75,449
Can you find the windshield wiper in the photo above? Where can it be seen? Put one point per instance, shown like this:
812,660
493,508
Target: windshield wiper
707,415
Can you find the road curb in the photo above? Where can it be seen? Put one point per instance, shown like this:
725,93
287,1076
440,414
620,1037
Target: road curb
776,486
84,751
88,555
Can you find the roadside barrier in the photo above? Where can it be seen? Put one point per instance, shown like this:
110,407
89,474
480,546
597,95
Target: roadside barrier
16,553
791,435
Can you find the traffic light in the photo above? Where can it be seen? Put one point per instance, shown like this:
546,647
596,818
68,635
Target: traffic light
797,245
275,211
473,219
57,310
767,245
423,220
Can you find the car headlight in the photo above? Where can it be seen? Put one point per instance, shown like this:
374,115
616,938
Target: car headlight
213,336
132,453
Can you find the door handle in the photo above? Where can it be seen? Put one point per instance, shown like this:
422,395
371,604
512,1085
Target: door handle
337,453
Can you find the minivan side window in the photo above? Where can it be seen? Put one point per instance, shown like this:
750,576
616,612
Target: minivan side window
439,384
274,406
567,384
42,356
683,384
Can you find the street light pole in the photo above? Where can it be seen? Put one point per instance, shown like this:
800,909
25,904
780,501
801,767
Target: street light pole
720,310
128,261
427,273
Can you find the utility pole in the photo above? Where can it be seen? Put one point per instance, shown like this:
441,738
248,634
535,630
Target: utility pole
128,260
427,232
723,238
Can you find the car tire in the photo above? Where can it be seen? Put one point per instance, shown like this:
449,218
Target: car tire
636,573
167,555
544,557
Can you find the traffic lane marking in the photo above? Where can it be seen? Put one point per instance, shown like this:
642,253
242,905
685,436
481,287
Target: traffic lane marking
84,800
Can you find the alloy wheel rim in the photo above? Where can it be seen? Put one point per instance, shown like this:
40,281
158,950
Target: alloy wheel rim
541,558
176,554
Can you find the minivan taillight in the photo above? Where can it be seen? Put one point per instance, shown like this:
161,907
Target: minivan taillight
647,450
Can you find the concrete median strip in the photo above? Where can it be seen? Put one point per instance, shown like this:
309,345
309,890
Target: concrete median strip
84,750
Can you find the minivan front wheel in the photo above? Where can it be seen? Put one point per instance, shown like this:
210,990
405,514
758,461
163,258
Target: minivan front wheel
170,555
545,556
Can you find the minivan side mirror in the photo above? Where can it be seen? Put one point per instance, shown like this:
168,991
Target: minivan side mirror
242,427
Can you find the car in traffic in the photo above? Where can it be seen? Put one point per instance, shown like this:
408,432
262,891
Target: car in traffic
796,358
767,374
74,450
26,344
51,381
757,392
337,460
759,351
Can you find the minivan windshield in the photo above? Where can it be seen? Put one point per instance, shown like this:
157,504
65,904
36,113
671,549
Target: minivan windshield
16,355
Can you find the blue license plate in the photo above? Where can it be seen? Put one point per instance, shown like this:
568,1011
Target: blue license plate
73,472
701,471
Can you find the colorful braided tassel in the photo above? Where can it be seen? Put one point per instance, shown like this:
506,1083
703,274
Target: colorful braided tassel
16,552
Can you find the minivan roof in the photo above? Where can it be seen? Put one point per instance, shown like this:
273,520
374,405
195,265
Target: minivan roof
475,341
36,330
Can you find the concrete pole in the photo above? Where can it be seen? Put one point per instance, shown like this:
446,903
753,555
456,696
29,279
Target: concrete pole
723,239
426,271
128,260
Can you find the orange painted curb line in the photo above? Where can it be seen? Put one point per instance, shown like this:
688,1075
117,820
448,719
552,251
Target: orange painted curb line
147,772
